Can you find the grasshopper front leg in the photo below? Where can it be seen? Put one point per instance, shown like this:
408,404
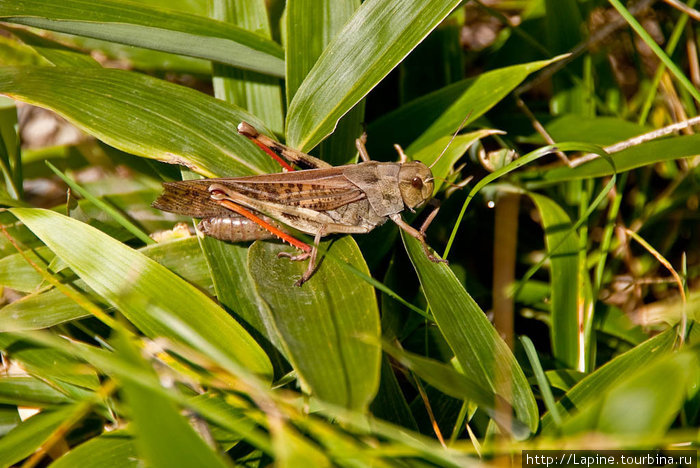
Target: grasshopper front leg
419,234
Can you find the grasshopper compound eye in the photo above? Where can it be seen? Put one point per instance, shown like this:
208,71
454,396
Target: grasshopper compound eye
417,182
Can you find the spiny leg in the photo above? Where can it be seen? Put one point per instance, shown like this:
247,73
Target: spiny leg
311,268
361,148
277,149
420,235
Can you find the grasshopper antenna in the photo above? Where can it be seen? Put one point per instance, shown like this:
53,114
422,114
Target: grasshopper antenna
459,129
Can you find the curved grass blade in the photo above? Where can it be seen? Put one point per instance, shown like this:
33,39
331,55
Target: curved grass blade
144,116
54,52
372,43
329,326
154,28
134,284
421,121
647,153
480,351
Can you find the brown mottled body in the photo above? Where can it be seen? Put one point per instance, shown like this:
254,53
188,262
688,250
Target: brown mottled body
324,200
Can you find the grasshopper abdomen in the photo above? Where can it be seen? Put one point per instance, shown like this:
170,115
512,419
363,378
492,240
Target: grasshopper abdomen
235,229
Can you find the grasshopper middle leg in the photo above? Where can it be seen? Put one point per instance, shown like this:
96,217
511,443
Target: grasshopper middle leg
311,268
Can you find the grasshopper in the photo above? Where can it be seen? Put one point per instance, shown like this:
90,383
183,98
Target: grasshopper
319,200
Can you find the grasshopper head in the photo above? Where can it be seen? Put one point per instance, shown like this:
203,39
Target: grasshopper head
415,183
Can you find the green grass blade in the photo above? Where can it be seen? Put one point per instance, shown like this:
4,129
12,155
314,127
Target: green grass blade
311,26
624,365
29,435
261,95
480,351
642,404
110,210
133,283
10,163
478,96
29,391
542,382
651,152
54,52
421,121
325,324
133,24
562,249
372,43
446,379
109,450
658,51
144,116
163,436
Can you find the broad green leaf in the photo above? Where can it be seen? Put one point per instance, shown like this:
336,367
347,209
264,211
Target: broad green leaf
144,116
378,36
154,28
644,403
311,26
621,367
109,450
29,391
651,152
234,287
328,324
450,382
133,283
480,351
162,435
421,121
564,281
28,436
